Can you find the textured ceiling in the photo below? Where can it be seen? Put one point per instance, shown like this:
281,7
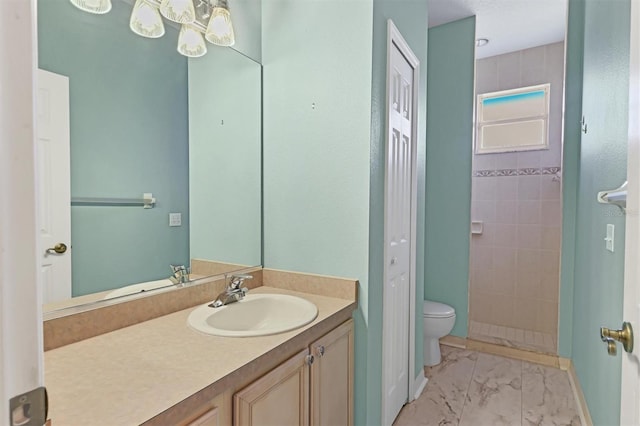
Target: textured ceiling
509,25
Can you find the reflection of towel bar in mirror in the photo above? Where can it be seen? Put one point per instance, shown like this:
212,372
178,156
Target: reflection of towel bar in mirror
617,197
147,201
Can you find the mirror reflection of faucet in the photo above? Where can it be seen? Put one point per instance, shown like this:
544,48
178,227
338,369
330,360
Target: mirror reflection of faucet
180,275
234,291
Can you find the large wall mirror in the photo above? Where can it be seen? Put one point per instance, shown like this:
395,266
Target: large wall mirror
145,119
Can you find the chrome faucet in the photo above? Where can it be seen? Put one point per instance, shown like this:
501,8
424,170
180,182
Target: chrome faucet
180,274
234,291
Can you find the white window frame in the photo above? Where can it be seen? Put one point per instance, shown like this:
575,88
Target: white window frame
481,148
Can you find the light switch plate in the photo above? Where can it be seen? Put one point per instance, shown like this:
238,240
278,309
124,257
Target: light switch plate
175,219
610,237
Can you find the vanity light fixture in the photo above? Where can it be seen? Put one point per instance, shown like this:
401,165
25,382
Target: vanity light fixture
482,42
146,20
180,11
191,42
200,19
220,28
98,7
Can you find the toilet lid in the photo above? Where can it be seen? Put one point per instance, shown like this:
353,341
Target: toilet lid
437,310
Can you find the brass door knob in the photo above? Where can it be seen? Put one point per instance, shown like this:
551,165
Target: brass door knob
624,336
59,248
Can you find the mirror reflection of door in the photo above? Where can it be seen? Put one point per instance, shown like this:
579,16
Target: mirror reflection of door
53,172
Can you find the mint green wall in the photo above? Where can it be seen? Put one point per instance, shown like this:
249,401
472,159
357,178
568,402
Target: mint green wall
129,135
603,153
316,59
574,49
410,17
324,166
448,183
247,27
224,158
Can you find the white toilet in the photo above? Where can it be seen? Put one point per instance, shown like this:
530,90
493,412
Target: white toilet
438,322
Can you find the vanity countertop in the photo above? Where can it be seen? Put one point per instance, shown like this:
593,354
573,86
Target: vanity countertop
137,373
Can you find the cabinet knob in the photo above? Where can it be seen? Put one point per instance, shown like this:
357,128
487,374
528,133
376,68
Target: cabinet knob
320,351
309,359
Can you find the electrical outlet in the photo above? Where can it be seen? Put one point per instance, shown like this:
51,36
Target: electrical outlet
175,219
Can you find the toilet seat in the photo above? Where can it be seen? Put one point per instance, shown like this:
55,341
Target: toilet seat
437,310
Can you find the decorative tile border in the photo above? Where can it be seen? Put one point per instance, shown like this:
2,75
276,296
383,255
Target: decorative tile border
529,171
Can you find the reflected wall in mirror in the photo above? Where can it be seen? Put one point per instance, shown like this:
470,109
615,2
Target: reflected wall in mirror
145,119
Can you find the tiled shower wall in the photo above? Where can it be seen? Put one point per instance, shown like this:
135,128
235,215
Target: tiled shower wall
515,262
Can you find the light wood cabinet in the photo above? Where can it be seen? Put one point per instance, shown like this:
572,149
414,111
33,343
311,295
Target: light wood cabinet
313,387
332,378
216,412
281,397
210,418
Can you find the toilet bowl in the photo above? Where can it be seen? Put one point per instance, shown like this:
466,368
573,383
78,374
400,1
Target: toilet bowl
438,322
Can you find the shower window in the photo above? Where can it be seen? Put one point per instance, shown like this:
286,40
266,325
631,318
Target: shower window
513,120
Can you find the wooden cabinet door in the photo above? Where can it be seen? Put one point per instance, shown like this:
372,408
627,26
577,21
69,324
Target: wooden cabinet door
280,398
332,378
210,418
216,412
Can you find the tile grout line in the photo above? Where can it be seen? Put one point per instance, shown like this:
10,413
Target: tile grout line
466,394
521,396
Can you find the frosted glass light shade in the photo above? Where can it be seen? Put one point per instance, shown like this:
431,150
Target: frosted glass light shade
180,11
146,20
190,42
220,28
98,7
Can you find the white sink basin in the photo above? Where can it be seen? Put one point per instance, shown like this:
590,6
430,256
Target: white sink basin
255,315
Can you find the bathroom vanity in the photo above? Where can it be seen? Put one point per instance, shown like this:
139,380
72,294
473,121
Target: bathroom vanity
161,371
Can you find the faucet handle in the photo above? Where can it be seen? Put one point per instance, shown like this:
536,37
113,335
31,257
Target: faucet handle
180,274
243,276
237,280
178,269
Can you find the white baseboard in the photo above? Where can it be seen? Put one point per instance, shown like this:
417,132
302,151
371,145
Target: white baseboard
419,385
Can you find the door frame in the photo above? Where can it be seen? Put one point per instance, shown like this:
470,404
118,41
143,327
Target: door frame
630,386
21,351
394,37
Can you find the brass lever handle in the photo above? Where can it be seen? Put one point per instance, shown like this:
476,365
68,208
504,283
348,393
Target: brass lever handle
624,336
59,248
612,348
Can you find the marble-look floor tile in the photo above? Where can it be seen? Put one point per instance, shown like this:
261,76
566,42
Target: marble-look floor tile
547,398
470,388
495,393
454,361
442,401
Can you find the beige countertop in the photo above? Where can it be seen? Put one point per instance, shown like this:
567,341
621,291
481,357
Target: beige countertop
133,374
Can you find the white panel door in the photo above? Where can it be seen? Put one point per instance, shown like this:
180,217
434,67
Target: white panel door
630,409
400,152
54,184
